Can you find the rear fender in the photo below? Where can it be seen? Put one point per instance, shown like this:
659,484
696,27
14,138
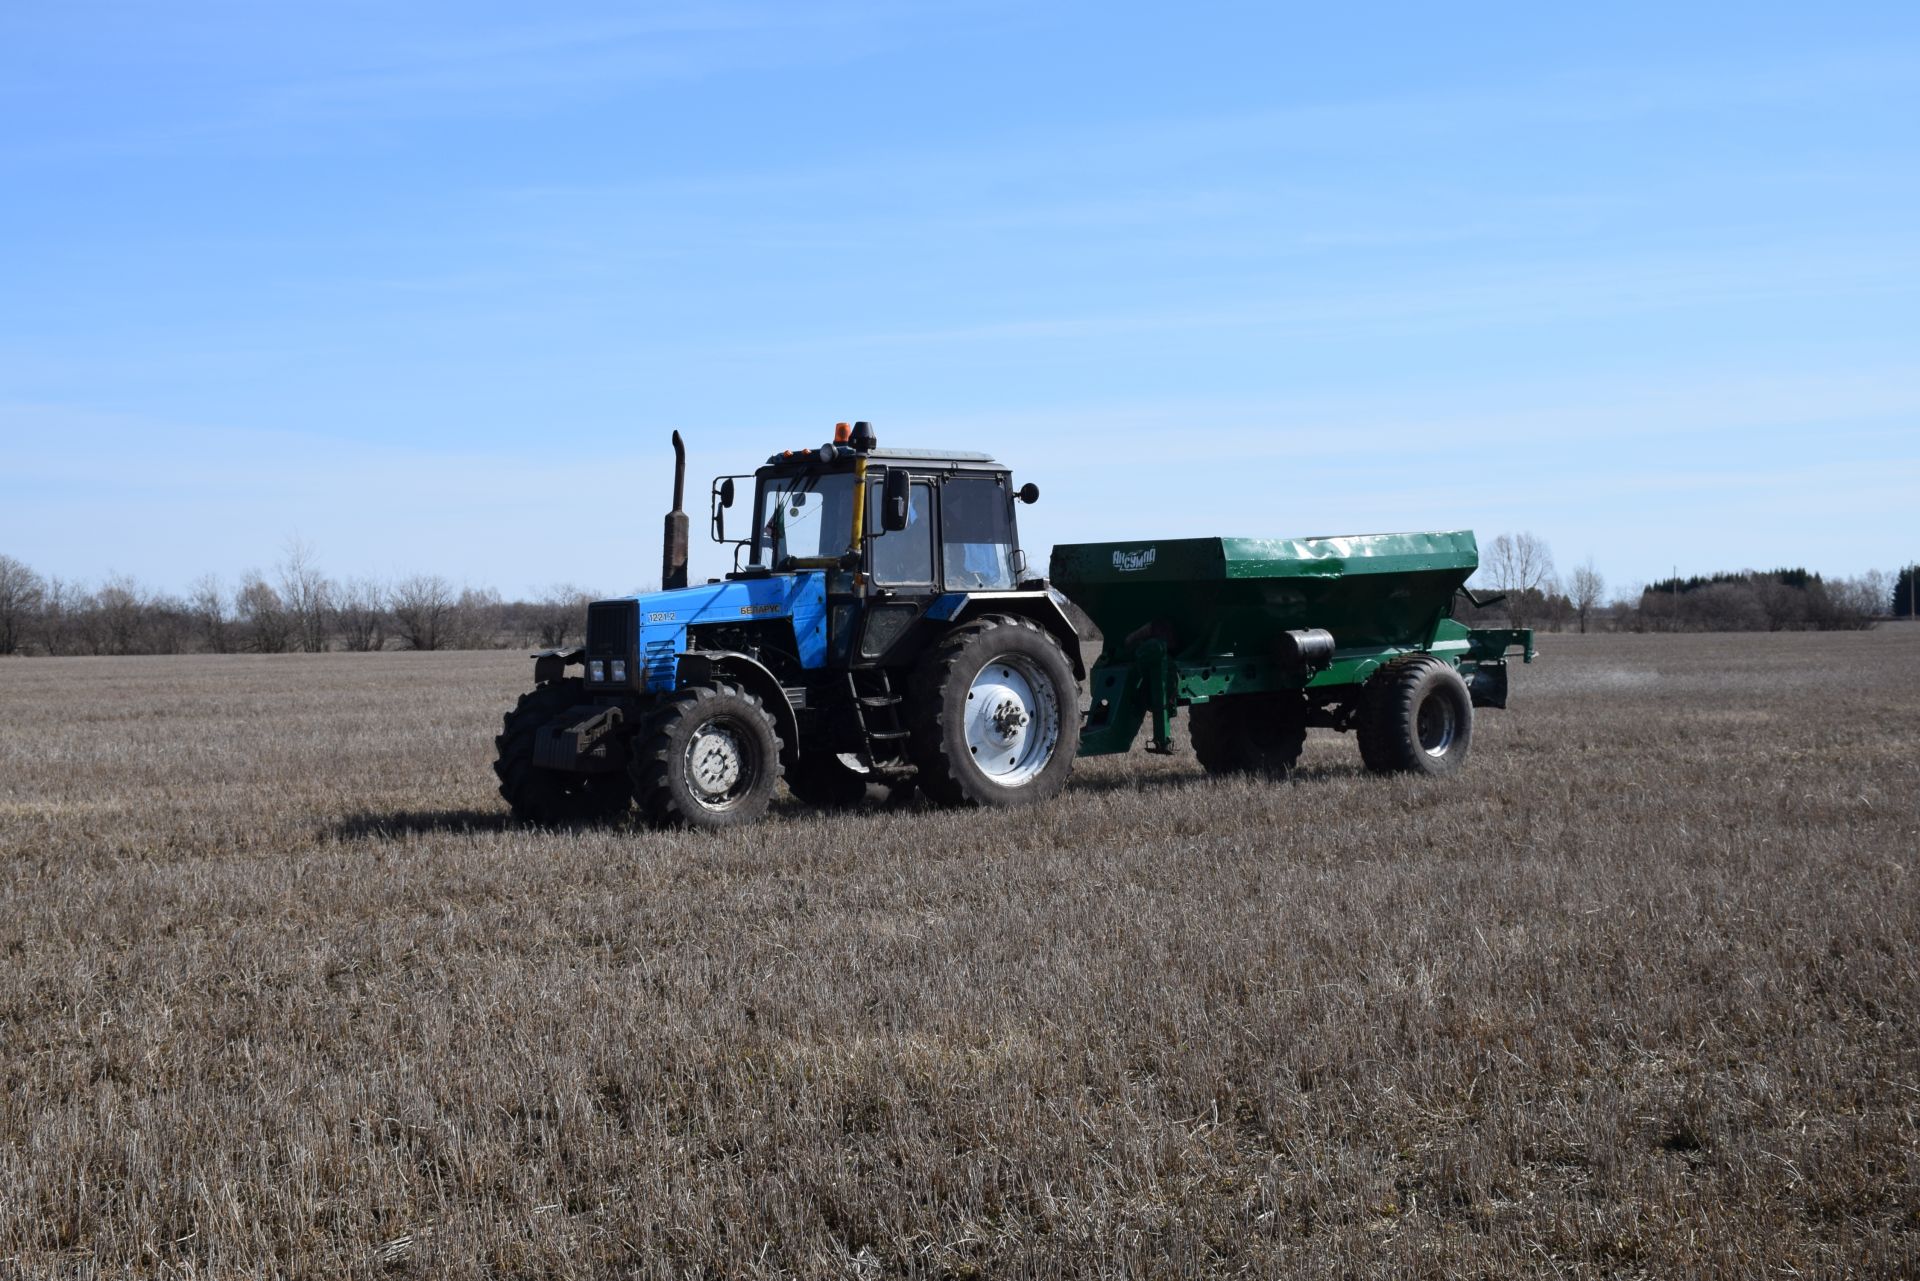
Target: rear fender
1066,622
705,666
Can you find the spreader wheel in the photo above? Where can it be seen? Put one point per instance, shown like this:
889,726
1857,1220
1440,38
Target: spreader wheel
1416,717
1250,733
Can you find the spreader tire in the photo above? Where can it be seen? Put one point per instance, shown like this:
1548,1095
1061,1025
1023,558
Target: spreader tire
552,796
994,714
824,781
1250,733
707,757
1416,717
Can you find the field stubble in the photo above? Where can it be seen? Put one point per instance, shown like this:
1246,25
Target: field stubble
284,993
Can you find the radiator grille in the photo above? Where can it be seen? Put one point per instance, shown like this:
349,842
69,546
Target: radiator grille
610,628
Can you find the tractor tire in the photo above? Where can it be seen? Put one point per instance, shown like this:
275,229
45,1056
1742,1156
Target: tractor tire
824,781
1250,733
552,796
1416,717
707,757
994,714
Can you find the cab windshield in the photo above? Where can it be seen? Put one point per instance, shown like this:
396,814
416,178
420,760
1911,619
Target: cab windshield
808,517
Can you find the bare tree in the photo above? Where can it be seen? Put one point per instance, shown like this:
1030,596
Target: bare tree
207,603
360,614
304,591
1588,589
264,623
476,619
57,605
21,591
166,625
1786,605
85,627
119,603
561,612
421,607
1872,592
1521,565
1553,604
1857,602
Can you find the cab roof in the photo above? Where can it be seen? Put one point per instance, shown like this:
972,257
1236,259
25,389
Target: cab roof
941,455
956,458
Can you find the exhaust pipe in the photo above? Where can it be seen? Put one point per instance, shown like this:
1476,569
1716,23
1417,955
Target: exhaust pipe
673,545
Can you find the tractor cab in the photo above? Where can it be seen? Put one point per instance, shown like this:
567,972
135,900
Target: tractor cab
900,521
903,536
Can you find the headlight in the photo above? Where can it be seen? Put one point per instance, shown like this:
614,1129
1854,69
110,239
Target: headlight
620,670
596,670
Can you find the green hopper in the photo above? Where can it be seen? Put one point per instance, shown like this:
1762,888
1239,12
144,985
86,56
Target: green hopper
1263,638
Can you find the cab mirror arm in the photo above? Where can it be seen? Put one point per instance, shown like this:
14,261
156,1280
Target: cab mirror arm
722,499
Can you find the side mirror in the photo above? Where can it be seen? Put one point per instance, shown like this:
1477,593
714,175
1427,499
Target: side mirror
1028,493
893,500
726,492
722,499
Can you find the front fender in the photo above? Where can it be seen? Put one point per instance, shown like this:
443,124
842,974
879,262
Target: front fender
704,666
550,665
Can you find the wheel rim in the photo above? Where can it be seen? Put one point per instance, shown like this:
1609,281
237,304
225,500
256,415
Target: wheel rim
720,764
1437,725
1012,720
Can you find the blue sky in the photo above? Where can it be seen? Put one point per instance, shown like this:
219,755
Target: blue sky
428,289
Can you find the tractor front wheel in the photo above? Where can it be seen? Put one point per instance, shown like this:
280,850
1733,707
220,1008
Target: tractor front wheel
545,795
707,757
1416,717
995,715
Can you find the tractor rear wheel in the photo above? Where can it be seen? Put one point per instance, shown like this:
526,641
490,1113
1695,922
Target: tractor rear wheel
1250,733
707,757
1416,717
824,781
545,795
994,713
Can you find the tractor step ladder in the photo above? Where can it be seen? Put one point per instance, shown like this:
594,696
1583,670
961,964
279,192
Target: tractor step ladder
884,705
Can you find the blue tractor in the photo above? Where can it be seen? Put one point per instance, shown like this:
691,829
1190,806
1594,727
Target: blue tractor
879,629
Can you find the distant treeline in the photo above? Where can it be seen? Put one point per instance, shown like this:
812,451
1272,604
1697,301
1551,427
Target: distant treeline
1793,599
299,608
296,608
1777,600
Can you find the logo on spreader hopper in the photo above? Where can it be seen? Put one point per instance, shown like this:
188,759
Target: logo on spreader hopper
1127,562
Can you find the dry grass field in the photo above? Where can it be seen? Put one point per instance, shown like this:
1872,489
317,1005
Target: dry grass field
1638,995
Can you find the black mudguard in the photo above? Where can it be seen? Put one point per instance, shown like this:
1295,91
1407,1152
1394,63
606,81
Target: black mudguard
704,666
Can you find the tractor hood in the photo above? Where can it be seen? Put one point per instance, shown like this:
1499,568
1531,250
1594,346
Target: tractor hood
659,621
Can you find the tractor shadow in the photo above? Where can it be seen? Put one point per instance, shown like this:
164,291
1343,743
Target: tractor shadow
401,823
1176,780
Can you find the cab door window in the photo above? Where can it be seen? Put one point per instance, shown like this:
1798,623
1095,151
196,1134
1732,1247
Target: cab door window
904,557
976,540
